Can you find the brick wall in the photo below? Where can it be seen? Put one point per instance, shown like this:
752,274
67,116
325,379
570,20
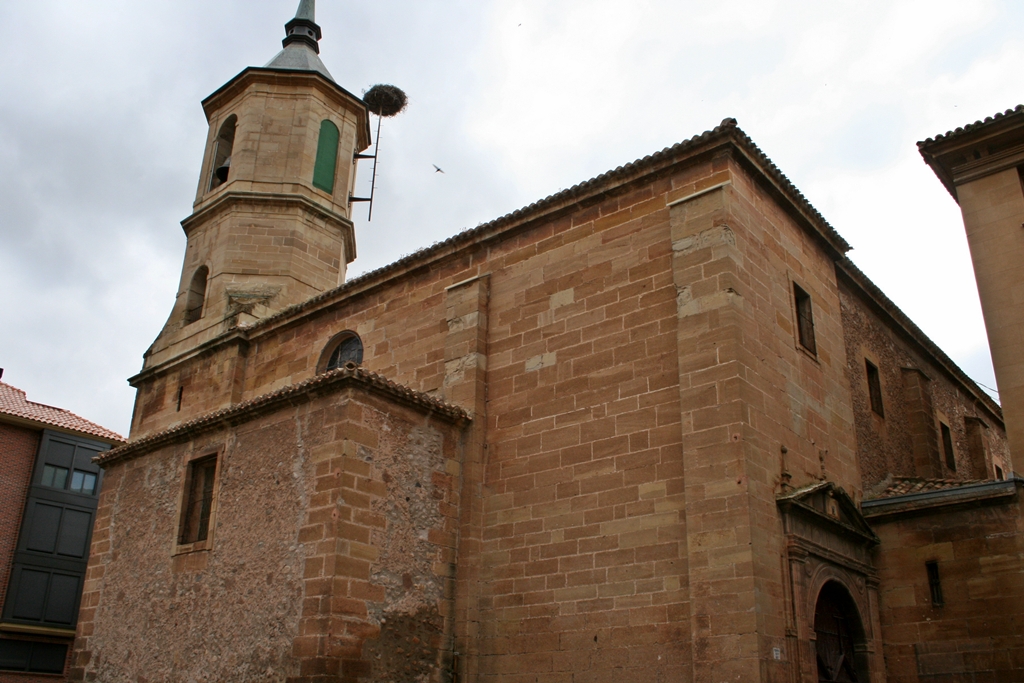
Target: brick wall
18,448
977,634
915,391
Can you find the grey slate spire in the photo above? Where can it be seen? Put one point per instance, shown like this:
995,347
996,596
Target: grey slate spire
301,43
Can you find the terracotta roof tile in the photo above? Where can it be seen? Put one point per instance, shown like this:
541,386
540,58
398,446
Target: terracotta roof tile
290,394
13,402
902,486
971,126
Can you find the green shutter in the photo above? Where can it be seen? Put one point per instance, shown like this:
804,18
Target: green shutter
326,157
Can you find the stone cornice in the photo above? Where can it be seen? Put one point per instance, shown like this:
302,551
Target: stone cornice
977,149
296,394
290,77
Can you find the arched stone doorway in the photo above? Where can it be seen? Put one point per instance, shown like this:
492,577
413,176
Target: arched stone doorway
839,637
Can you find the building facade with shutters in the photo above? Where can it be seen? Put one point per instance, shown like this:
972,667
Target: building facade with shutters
49,489
656,426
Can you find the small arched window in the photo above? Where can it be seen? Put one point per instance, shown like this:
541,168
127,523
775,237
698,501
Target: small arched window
344,348
222,149
196,296
326,157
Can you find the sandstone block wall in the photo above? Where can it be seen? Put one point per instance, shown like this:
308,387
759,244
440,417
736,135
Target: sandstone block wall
993,209
976,636
645,395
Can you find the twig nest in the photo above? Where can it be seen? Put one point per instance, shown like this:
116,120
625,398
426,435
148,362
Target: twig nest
385,100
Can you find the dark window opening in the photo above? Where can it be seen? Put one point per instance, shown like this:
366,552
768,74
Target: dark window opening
32,656
195,516
181,391
874,388
934,584
222,149
349,350
805,319
947,446
54,477
83,482
196,296
999,473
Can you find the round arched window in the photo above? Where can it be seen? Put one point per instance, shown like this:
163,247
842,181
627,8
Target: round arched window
349,349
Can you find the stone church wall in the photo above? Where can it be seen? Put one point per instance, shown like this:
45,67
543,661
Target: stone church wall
330,551
975,635
887,444
646,395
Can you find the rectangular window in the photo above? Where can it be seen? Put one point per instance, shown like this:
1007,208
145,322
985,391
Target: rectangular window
83,482
804,319
195,515
999,473
55,477
874,388
934,584
947,446
32,656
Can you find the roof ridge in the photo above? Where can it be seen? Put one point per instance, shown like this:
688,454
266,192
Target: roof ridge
728,125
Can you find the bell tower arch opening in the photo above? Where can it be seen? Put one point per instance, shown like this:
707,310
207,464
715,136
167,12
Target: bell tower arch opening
196,296
222,149
840,641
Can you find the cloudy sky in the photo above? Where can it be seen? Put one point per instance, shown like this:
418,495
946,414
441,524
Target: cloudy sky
101,137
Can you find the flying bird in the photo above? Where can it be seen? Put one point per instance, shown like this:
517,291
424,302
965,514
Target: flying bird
438,168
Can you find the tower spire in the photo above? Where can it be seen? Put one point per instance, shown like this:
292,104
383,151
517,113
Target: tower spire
301,48
303,28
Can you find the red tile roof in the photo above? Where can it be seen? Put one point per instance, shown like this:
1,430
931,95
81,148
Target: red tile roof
902,486
14,403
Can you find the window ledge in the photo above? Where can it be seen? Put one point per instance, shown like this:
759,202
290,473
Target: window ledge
7,627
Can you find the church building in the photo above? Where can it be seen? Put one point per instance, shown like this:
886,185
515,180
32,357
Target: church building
654,427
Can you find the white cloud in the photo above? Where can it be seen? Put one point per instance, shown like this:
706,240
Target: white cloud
101,136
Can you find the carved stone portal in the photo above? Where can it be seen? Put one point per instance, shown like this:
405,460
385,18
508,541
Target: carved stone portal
832,619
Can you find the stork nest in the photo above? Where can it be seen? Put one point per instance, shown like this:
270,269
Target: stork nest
385,100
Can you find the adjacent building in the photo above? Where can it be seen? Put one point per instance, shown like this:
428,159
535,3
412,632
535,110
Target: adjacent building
654,427
49,488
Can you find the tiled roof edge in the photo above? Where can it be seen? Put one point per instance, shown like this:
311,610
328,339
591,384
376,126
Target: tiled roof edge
296,393
85,427
969,128
976,492
857,277
727,129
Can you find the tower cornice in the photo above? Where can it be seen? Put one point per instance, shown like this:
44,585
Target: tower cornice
271,76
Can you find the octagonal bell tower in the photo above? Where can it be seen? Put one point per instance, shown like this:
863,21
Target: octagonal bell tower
270,225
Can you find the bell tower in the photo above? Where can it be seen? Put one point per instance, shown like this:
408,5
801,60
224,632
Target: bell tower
270,225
